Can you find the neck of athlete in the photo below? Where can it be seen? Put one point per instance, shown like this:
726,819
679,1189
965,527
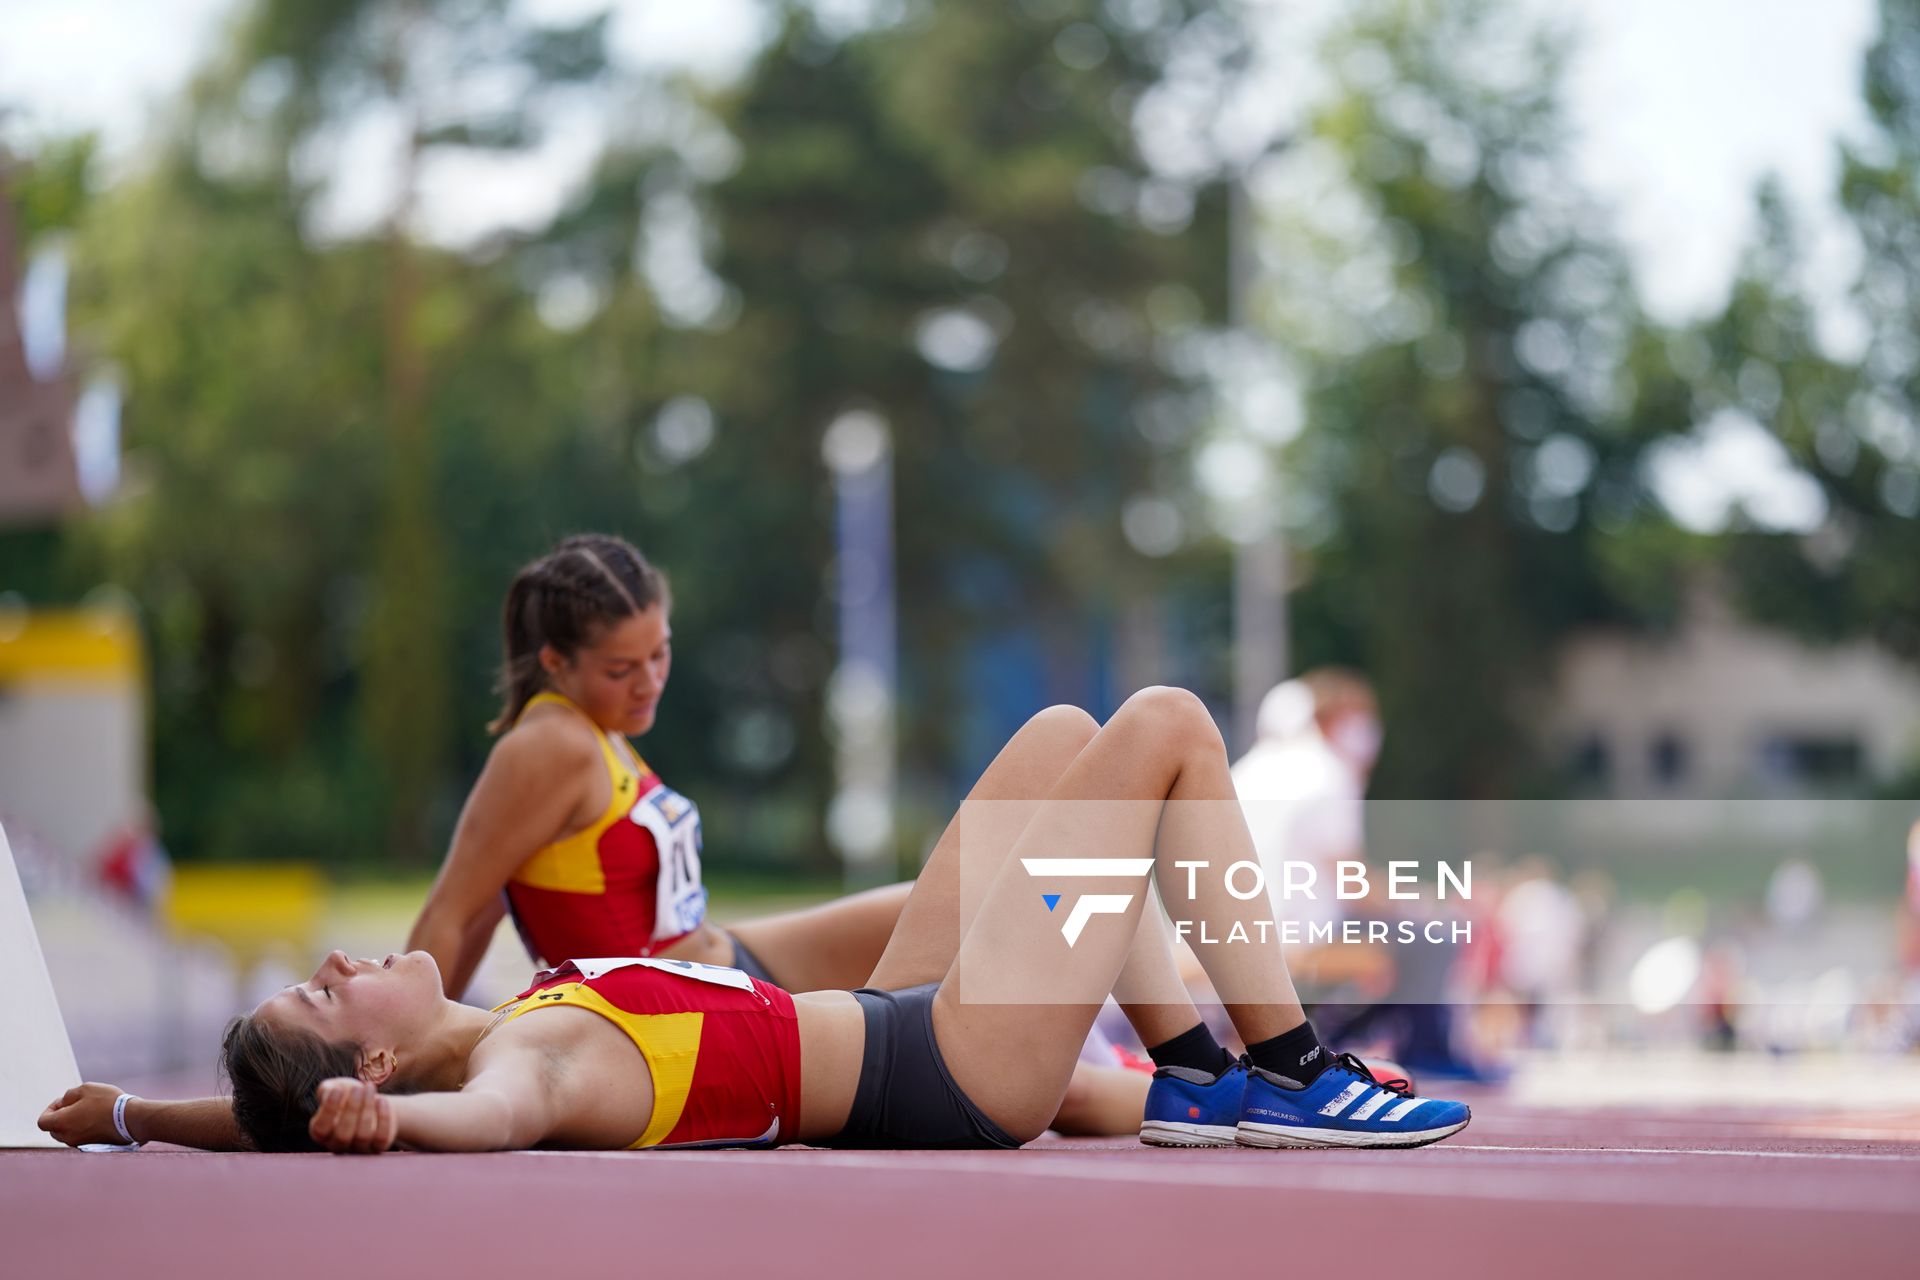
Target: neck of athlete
439,1060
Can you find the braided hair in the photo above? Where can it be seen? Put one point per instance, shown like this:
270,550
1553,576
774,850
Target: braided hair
589,582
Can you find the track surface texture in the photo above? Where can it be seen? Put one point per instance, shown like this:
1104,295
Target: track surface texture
1520,1192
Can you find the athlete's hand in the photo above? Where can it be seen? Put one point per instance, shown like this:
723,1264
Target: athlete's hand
353,1118
83,1113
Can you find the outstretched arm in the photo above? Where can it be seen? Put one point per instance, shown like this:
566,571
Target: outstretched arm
506,1107
84,1114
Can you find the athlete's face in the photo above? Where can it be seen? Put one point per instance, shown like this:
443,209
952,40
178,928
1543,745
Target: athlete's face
382,1005
617,679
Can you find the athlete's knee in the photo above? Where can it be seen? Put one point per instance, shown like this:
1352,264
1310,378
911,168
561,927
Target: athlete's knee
1065,722
1173,713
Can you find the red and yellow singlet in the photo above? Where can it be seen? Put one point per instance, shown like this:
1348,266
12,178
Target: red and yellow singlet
724,1048
629,885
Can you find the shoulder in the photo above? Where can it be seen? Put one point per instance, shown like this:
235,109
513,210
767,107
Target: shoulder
546,744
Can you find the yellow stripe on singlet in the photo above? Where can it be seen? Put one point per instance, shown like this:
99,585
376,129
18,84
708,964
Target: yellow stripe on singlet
572,864
670,1042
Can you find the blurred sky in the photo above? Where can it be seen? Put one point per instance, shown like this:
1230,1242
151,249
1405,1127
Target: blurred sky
1680,106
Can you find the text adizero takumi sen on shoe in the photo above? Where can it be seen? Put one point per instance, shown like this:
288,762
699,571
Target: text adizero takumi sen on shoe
1188,1108
1345,1107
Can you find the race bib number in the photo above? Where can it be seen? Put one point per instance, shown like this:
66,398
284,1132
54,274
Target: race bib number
674,821
716,974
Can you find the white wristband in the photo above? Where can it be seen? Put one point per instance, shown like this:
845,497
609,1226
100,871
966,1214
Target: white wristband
120,1118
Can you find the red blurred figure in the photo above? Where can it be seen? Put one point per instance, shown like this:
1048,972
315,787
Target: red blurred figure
135,867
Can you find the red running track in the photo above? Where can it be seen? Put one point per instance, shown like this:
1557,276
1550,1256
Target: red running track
1518,1193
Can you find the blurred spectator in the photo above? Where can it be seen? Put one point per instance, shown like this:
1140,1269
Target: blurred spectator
1543,930
1795,894
1303,783
134,866
1910,940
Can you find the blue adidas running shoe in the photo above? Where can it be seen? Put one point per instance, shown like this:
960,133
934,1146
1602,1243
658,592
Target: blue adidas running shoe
1188,1108
1345,1107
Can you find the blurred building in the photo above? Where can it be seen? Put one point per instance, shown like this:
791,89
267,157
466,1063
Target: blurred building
1722,708
73,744
39,474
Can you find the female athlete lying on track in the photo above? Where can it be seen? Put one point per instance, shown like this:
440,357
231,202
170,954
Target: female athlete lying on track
966,1037
594,855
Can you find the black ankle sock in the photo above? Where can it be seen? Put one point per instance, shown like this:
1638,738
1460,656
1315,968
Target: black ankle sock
1295,1054
1194,1048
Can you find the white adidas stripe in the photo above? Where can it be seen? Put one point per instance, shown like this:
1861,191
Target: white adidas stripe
1345,1099
1401,1110
1380,1099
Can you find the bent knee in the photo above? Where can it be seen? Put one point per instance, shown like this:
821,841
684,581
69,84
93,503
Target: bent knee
1172,710
1065,721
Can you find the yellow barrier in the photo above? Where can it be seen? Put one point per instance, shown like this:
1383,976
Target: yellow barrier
254,908
83,645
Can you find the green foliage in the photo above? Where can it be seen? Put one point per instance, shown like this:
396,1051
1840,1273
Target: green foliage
1475,426
882,192
339,448
1850,424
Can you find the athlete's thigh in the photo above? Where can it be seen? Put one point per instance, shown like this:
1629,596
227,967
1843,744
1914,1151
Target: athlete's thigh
1031,973
831,947
1055,923
975,843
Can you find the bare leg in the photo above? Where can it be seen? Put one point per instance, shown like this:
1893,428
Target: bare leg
927,937
1014,1058
948,893
831,947
1102,1101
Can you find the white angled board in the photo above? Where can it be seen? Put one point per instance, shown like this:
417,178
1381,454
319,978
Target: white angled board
36,1060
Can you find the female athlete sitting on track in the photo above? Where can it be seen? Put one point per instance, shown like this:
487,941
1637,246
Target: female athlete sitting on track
573,834
966,1036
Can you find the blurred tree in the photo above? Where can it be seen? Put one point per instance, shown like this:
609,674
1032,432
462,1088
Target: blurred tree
1478,384
1849,424
303,403
454,74
946,218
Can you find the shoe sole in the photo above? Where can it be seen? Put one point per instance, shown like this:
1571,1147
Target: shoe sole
1275,1136
1169,1133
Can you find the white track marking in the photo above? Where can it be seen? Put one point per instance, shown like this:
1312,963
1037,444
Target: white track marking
1299,1171
1702,1151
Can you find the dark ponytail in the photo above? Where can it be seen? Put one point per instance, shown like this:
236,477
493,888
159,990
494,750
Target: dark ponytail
589,582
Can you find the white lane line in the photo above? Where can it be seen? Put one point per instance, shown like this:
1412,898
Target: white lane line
1455,1182
1913,1160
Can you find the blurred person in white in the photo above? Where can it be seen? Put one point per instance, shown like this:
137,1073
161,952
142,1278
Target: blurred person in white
1303,787
1910,940
1303,783
1543,931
